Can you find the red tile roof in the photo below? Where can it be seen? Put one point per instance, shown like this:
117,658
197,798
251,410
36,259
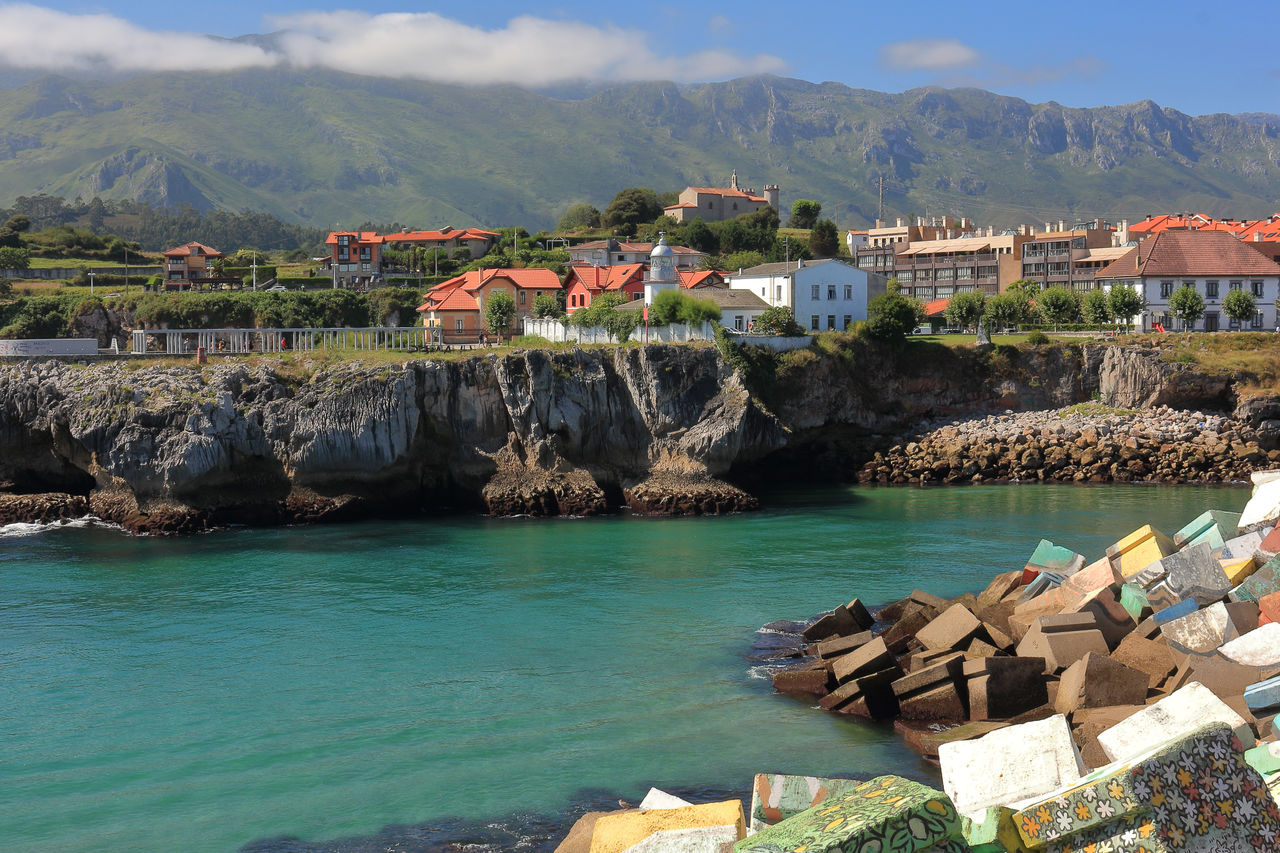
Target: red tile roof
700,278
184,251
726,192
1190,253
600,279
456,293
632,247
443,235
936,307
369,237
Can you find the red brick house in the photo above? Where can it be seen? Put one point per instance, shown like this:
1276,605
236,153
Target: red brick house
355,258
456,306
475,240
585,283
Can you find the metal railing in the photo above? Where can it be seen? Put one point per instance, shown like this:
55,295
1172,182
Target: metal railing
243,341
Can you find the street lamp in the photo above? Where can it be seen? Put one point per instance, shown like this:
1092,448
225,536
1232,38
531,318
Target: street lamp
255,271
91,275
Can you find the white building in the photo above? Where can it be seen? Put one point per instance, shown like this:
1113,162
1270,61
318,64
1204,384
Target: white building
662,273
1212,262
823,295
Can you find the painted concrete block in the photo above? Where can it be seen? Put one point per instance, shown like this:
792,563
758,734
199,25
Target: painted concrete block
1260,647
1263,505
1194,573
1097,681
1204,631
992,832
888,814
704,839
1213,526
1269,608
1264,581
657,799
776,796
1265,758
616,832
1237,569
1268,545
1133,599
1244,545
952,630
1010,764
1096,575
1052,558
1177,715
1139,549
1263,697
1175,611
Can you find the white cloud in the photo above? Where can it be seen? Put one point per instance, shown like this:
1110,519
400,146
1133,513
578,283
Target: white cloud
928,55
427,46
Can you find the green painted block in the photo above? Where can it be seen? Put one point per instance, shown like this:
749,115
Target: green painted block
1265,758
1133,599
1132,834
993,832
1055,558
1263,582
776,796
887,814
1213,526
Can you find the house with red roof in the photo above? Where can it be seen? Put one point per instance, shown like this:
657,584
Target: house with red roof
611,252
1212,262
476,241
189,262
584,283
701,279
355,258
456,306
716,204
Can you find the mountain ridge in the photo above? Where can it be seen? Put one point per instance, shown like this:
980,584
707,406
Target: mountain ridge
331,149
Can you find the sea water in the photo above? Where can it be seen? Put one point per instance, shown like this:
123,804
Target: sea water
412,684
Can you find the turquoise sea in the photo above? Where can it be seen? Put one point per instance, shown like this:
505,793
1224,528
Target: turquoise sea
403,685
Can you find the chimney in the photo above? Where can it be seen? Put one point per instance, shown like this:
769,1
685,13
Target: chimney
1257,236
1062,225
799,263
900,223
879,223
1048,226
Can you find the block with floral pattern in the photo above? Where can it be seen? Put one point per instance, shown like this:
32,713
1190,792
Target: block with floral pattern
887,814
1095,803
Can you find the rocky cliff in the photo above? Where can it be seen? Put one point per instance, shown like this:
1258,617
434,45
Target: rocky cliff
661,428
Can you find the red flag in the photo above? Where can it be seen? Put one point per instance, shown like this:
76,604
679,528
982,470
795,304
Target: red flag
646,314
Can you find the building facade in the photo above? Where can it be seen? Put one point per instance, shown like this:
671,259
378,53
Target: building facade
355,258
826,295
611,252
716,204
456,307
190,262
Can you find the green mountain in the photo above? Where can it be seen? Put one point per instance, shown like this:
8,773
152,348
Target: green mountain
330,149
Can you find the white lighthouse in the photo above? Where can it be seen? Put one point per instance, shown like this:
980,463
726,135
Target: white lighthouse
662,273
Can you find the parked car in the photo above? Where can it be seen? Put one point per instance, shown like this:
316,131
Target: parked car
279,288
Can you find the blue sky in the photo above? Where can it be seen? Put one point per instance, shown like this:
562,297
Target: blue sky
1195,57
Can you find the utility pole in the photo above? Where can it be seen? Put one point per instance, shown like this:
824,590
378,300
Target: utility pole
786,247
91,275
255,272
880,209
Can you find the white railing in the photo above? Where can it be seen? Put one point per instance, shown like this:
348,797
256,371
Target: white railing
558,331
241,341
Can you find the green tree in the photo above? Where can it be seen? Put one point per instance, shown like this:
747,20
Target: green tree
891,316
778,320
699,236
823,242
19,223
1240,306
965,309
14,259
1096,308
804,213
10,238
6,287
742,260
1057,305
1007,309
630,207
499,313
547,307
579,217
1126,303
1187,306
1023,286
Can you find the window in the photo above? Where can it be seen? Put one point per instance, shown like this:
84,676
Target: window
813,322
522,297
831,292
1235,285
988,272
1257,320
343,254
1190,284
831,322
344,239
945,274
1257,287
779,296
366,253
1233,324
964,273
457,325
737,322
848,292
366,267
848,320
1166,289
922,293
814,293
1211,289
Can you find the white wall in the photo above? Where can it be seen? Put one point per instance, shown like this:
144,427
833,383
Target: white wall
1157,309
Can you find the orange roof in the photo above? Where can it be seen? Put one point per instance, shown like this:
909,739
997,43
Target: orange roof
185,251
726,192
1190,253
686,204
448,295
935,307
699,278
439,236
631,247
370,237
598,279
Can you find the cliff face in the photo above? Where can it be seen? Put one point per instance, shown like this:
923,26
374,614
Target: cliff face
180,448
660,428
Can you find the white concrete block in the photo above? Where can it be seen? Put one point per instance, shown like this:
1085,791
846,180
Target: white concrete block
1177,715
1260,477
1240,547
1010,764
1259,647
1264,504
699,839
1203,631
656,799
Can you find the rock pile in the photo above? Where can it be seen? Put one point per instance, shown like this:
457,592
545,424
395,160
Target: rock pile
1156,445
1057,698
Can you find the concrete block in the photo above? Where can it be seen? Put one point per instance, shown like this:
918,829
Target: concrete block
1139,549
885,813
1112,619
952,630
1174,612
981,649
1268,544
579,838
1194,573
838,646
902,632
1269,608
1048,557
807,680
1263,505
1259,647
1000,586
703,839
1160,595
1237,569
1151,657
872,656
932,693
1010,764
837,623
1133,599
1088,723
992,832
1263,582
1212,527
616,832
1264,758
998,638
657,799
919,660
869,695
1003,687
928,740
1244,545
997,614
1202,631
1177,715
1096,575
775,797
1062,640
1097,681
1263,696
861,616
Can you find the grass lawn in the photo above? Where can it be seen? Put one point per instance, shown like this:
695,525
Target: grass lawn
92,263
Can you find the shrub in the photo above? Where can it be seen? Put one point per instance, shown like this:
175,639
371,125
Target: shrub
1037,339
673,306
891,316
778,321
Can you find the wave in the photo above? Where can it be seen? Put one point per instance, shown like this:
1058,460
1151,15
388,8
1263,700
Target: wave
22,528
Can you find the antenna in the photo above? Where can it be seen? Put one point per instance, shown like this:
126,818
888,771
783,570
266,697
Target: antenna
880,210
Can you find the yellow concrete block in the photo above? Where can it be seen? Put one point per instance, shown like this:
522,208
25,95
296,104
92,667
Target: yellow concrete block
1238,570
616,832
1140,549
